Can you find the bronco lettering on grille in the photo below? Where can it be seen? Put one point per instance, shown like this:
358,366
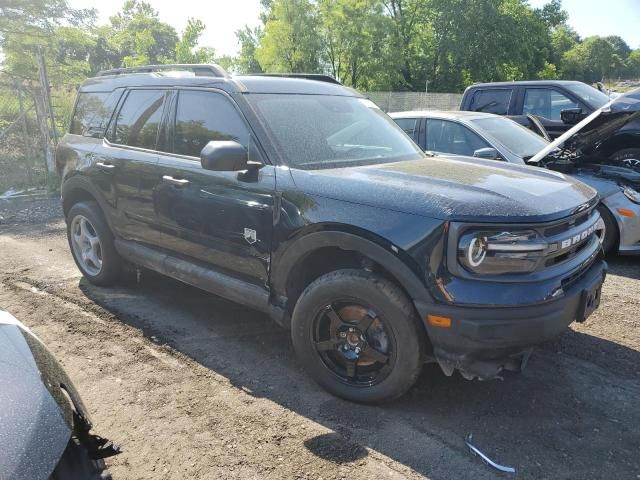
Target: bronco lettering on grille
570,242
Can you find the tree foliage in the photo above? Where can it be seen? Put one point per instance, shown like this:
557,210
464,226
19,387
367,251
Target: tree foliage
367,44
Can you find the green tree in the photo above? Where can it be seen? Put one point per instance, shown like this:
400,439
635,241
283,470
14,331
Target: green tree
26,25
249,39
633,64
351,31
186,51
290,42
140,37
590,61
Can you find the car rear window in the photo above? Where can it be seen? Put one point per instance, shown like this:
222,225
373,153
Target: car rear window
93,111
138,120
494,100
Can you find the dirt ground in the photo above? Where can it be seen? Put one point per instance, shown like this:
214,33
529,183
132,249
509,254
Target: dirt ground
194,387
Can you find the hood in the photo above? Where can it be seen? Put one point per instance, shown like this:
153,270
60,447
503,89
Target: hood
456,188
621,111
35,414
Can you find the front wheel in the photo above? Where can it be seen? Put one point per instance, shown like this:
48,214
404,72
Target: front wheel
358,336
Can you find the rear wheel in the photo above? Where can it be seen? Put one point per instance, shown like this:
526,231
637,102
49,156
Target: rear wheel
629,157
91,243
358,336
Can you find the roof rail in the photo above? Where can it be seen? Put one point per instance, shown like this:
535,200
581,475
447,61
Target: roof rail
309,76
204,70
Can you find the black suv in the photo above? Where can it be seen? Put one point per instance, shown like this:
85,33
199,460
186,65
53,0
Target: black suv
300,198
558,105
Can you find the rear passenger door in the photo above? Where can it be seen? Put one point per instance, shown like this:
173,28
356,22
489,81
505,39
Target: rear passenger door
127,160
223,219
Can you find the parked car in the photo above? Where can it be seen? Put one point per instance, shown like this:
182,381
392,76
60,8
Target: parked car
558,105
45,431
299,197
492,137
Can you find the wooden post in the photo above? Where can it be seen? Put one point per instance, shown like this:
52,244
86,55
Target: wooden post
28,159
44,135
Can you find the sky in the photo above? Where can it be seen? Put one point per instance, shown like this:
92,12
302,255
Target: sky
603,17
224,17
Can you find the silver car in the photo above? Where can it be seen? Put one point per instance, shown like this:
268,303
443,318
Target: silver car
497,138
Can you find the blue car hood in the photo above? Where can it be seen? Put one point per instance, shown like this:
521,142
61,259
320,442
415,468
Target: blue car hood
35,416
453,189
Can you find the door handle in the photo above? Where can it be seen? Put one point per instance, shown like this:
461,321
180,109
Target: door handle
178,182
105,166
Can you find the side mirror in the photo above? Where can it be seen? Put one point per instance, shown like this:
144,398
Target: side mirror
224,156
571,116
488,153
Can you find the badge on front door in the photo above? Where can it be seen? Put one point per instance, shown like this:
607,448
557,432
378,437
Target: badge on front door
250,236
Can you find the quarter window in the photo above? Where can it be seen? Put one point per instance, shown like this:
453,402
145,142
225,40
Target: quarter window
92,112
139,118
450,137
495,100
547,103
205,116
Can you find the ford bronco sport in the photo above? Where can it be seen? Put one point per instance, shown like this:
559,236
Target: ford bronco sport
297,196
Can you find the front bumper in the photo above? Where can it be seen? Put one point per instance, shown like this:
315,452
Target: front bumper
482,341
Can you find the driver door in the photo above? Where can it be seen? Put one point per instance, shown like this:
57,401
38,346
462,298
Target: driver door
222,219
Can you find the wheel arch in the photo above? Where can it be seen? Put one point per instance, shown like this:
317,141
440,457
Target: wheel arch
77,189
622,140
320,252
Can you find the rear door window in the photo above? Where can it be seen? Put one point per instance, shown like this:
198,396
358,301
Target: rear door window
93,111
546,102
205,116
451,137
494,100
139,118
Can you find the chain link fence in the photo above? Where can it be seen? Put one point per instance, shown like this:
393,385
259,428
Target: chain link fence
30,120
405,101
21,147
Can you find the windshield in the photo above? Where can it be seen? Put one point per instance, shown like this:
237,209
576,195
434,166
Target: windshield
588,94
518,139
322,131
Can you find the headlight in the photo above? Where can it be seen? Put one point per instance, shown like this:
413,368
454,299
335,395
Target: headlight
496,252
631,194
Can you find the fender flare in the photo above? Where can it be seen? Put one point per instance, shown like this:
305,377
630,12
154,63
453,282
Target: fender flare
302,247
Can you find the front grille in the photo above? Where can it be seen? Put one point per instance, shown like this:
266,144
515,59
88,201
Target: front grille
568,224
570,237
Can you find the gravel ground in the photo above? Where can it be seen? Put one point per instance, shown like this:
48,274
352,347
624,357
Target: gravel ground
195,387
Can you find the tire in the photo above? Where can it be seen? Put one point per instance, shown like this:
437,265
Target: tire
87,231
629,157
75,464
610,242
389,324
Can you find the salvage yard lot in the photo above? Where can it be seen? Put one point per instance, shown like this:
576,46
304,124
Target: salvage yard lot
193,386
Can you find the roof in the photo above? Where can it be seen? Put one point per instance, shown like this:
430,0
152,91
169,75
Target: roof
452,114
524,82
231,84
